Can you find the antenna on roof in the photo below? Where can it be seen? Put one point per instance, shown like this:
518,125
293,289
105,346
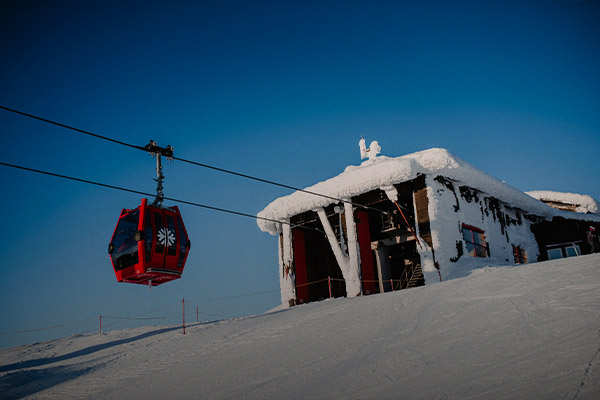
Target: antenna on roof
373,150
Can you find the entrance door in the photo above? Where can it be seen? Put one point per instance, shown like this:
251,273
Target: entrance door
366,254
300,266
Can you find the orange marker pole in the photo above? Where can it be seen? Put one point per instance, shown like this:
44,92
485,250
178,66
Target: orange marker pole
183,303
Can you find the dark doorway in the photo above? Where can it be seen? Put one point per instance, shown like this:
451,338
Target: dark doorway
320,265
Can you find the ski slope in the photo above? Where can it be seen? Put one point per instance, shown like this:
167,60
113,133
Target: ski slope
517,332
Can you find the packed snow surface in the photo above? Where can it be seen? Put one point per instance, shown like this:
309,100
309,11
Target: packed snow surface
382,172
584,202
522,332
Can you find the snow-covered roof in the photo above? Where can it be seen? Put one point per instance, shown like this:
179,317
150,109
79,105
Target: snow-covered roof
385,171
582,202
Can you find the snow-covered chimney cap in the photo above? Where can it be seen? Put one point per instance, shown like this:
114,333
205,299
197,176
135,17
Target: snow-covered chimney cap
372,152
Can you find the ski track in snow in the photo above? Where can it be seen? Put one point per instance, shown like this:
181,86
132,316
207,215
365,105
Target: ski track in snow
588,372
530,331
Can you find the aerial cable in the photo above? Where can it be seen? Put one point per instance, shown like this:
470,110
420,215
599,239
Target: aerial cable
32,330
191,203
72,128
277,184
196,163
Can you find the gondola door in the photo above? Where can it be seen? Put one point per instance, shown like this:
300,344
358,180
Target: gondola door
170,240
160,238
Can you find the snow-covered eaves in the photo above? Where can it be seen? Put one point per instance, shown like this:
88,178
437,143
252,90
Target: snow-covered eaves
582,203
385,171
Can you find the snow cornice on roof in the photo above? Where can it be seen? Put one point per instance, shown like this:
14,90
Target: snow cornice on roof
582,203
385,171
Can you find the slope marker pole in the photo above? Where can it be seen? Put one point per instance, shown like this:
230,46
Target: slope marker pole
183,304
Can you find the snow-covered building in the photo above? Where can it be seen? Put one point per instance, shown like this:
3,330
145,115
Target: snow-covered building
394,223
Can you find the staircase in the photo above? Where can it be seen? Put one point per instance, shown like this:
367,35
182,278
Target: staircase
412,276
415,277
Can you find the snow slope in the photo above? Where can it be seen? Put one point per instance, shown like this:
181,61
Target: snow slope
525,332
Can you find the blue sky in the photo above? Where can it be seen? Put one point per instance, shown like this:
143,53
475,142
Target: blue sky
280,90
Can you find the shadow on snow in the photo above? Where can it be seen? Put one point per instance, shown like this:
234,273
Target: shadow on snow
23,383
16,385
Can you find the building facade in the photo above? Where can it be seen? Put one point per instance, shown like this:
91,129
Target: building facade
395,223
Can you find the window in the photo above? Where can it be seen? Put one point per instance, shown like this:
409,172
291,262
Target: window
183,242
161,234
148,235
171,242
475,241
553,254
563,250
125,253
386,222
572,250
520,255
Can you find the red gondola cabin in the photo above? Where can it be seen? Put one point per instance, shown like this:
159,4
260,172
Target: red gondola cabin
150,245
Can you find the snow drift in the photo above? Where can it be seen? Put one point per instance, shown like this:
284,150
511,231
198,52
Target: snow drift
526,332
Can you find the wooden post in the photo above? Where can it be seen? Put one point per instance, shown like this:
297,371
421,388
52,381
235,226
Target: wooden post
329,282
100,331
196,313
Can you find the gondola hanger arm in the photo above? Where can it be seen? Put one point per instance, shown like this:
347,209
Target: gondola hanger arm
156,151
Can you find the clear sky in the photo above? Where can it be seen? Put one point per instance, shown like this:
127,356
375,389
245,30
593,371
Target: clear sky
277,89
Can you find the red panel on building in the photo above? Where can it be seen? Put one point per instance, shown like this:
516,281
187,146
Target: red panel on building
300,266
366,256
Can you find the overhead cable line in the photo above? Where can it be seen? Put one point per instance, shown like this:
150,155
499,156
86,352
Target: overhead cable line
72,128
278,184
235,296
140,318
32,330
226,171
191,203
